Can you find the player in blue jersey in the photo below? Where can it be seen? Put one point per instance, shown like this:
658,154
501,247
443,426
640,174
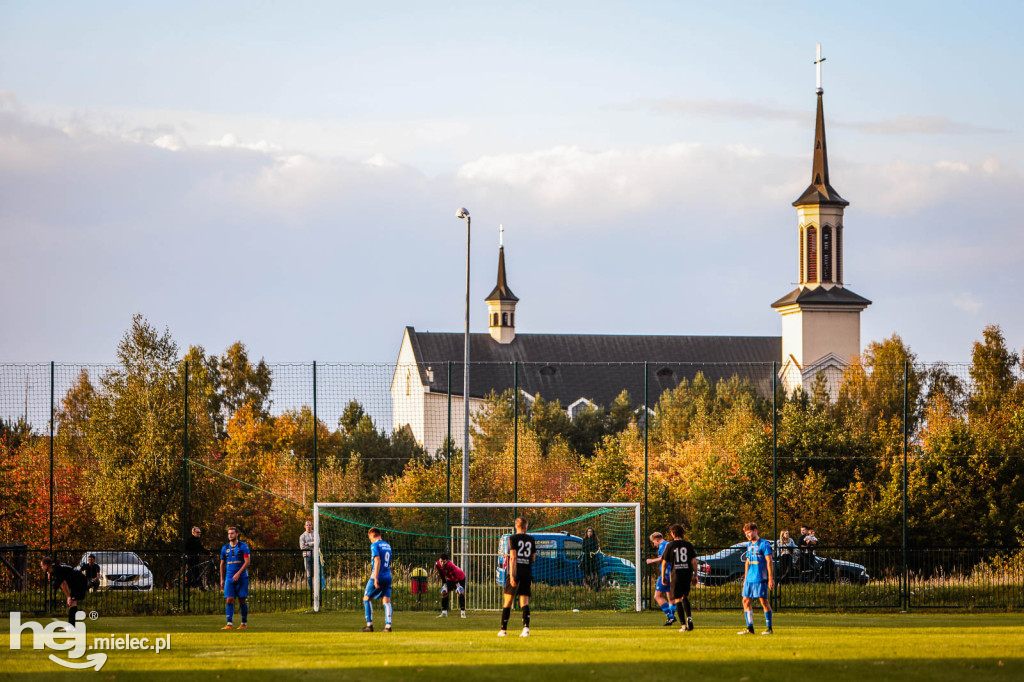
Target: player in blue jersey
760,578
661,588
379,585
234,578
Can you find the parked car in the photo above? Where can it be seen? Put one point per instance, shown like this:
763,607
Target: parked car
727,566
559,558
121,570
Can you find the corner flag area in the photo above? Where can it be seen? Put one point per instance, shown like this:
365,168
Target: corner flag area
562,646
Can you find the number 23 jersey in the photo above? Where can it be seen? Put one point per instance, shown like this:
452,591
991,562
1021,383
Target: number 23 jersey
524,547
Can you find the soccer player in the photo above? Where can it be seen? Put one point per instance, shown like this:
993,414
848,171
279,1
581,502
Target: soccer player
679,572
522,552
379,585
69,581
661,589
452,578
234,578
760,578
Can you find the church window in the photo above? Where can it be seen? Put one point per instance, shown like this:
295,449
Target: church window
812,254
495,322
826,253
839,254
504,319
665,372
548,370
512,319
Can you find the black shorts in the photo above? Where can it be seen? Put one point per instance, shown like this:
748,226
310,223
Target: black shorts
679,586
524,580
450,585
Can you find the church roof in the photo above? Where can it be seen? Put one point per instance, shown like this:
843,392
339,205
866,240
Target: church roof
822,296
566,367
501,291
820,192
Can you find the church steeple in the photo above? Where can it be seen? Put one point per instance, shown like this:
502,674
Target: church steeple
821,317
501,303
820,192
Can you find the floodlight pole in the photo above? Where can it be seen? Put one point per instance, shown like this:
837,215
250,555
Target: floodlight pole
463,213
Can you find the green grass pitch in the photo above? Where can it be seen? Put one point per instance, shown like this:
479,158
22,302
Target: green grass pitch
563,646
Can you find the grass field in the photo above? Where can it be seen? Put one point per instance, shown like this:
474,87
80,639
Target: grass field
563,646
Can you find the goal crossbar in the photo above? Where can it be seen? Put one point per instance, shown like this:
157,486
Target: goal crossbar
635,506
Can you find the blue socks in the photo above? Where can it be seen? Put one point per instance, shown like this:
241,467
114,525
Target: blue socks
244,609
749,617
768,619
387,613
368,607
229,609
666,608
673,610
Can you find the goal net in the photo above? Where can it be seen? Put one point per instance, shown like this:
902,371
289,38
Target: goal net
571,571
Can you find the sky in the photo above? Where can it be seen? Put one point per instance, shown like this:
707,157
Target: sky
287,174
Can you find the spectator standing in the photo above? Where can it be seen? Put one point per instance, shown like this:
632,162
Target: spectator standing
92,572
194,553
591,563
789,554
306,545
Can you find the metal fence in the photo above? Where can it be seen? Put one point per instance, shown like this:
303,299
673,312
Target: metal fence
885,460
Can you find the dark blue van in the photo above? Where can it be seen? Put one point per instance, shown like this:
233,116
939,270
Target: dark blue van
559,562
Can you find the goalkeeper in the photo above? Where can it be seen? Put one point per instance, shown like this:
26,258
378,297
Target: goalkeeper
452,578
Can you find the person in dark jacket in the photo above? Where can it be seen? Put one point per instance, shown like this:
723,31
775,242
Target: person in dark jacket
194,553
91,570
591,562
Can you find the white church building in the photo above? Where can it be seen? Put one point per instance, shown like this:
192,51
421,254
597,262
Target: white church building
820,334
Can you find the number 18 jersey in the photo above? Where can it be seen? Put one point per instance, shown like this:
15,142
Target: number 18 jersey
678,554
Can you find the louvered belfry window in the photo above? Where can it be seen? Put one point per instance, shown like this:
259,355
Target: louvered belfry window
839,254
826,253
812,254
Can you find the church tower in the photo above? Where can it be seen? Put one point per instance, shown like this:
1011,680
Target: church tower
821,317
501,303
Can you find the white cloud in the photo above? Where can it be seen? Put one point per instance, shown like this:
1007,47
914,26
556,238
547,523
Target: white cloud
967,303
741,110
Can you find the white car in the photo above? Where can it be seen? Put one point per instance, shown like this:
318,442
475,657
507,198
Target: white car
121,570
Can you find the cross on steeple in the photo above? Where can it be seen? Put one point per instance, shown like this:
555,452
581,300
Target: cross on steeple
817,64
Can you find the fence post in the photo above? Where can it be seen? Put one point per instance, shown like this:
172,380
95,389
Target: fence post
49,593
183,564
906,574
647,419
515,438
316,461
775,464
448,453
52,485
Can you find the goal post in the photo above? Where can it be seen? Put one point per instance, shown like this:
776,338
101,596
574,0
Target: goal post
565,577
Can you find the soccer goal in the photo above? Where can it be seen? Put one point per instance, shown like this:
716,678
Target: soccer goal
570,573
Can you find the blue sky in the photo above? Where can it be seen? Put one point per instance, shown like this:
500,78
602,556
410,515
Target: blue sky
287,175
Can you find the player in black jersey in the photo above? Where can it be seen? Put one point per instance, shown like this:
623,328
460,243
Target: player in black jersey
69,581
680,556
522,552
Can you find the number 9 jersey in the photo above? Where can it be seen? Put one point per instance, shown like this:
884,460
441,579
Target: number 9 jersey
383,550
